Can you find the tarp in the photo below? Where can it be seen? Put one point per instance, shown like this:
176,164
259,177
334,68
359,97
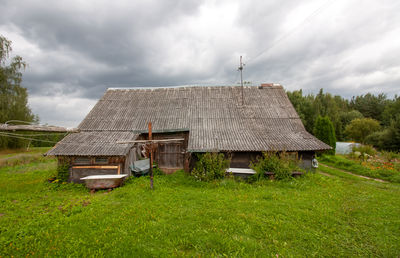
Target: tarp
141,167
345,147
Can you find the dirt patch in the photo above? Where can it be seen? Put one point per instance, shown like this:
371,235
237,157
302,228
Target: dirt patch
349,173
2,214
325,174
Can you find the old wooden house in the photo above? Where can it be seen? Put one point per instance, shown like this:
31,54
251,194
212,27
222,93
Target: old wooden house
241,122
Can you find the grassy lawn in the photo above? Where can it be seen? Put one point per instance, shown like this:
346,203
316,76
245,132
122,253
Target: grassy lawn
23,156
34,150
312,216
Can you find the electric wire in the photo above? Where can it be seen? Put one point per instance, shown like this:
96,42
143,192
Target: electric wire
42,134
60,142
20,121
289,33
25,138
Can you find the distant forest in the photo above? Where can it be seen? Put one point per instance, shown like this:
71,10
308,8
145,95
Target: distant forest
369,119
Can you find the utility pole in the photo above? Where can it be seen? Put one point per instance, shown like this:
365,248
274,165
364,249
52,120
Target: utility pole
151,156
241,77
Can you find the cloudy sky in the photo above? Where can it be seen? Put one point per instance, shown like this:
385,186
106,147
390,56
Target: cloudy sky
78,49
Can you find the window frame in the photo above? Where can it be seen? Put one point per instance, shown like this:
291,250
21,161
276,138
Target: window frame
85,160
104,162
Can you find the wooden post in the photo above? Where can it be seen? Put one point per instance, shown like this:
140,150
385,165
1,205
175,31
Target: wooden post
151,157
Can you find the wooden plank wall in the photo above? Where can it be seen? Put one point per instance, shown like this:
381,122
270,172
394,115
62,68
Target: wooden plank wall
170,156
242,159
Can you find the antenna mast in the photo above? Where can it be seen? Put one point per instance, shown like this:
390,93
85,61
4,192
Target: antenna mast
241,77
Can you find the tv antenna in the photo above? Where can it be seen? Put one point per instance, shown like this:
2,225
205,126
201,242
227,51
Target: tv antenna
240,68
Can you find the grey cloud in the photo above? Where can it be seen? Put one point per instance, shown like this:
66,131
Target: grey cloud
348,47
115,36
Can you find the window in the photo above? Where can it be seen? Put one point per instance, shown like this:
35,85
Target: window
100,160
82,160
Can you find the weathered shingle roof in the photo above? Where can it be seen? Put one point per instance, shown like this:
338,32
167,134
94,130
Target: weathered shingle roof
214,116
94,144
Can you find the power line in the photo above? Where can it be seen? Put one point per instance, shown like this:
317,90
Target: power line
286,35
42,134
24,138
236,78
61,143
80,144
20,121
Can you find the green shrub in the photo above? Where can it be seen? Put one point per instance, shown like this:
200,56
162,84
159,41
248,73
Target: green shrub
390,155
379,139
365,149
279,163
63,172
210,166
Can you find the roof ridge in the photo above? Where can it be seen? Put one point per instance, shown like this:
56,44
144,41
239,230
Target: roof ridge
187,87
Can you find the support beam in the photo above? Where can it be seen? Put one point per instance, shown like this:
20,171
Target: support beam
151,141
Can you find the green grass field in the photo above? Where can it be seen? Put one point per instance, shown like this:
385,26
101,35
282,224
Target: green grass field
315,215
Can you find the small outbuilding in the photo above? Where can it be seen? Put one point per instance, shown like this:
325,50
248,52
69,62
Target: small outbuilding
240,122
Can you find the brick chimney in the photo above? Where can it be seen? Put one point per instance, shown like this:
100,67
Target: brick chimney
268,85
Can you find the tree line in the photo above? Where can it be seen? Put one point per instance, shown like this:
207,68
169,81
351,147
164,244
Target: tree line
369,119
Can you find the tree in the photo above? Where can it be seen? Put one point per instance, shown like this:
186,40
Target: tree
323,104
360,128
304,108
394,144
347,117
325,131
387,139
13,97
370,105
391,111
